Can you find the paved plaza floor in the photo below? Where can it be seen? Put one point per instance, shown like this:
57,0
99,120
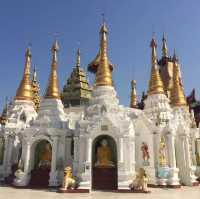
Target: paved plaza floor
157,193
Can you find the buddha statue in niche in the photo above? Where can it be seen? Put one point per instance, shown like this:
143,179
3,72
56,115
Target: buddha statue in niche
45,158
104,155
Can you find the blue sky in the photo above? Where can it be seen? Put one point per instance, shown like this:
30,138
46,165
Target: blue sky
130,22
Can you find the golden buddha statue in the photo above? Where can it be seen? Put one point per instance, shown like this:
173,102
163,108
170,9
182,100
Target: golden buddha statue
162,153
104,155
45,158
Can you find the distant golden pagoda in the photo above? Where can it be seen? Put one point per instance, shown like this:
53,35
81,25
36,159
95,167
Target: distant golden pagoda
76,91
92,67
134,102
52,90
155,83
35,90
177,93
103,74
24,92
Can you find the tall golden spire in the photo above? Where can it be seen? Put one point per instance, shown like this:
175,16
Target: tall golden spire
133,103
164,46
24,92
177,94
155,83
104,74
78,58
35,90
52,90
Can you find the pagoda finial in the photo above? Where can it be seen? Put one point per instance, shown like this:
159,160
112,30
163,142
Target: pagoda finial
52,90
104,74
164,46
78,58
155,83
178,96
175,58
134,101
24,92
34,77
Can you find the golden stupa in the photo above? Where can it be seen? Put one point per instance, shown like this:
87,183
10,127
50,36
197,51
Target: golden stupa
24,92
155,83
52,90
177,93
103,74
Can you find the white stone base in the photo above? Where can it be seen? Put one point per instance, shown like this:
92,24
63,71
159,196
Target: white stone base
162,181
124,184
173,177
188,177
22,180
85,185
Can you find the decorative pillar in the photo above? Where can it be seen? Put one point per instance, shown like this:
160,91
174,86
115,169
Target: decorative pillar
27,158
173,179
89,150
5,157
53,181
187,152
9,154
76,155
187,171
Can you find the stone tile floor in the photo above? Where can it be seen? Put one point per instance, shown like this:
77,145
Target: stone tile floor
156,193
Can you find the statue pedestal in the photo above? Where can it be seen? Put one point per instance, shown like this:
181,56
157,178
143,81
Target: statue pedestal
163,173
173,179
22,180
104,178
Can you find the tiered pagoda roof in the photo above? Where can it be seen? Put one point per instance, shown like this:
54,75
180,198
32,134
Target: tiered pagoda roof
77,90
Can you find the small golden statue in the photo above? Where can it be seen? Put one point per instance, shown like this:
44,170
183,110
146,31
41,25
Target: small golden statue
140,182
162,153
68,182
104,155
45,159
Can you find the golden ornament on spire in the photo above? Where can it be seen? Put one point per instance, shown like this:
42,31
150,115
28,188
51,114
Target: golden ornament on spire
104,74
52,90
155,83
164,47
24,92
35,90
134,101
177,94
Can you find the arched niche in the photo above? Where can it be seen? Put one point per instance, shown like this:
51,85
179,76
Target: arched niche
106,173
42,156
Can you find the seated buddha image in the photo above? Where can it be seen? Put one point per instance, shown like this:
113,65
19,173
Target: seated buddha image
45,156
104,155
